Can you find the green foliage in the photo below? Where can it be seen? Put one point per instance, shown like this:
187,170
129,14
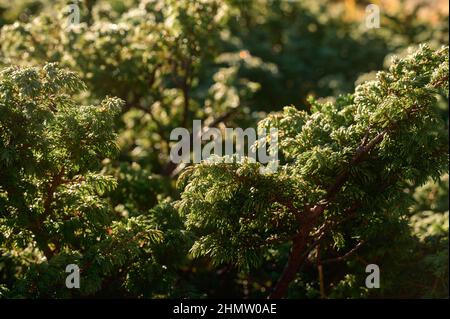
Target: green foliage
53,206
428,244
236,211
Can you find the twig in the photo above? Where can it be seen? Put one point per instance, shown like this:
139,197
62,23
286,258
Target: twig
345,256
